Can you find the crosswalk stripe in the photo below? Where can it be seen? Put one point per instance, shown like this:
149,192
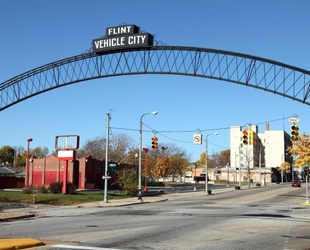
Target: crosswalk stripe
82,247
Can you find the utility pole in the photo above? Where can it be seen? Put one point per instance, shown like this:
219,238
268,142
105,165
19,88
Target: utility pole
105,177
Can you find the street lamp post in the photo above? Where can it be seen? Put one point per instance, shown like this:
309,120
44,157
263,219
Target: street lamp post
146,150
140,155
27,163
307,194
206,178
136,158
227,174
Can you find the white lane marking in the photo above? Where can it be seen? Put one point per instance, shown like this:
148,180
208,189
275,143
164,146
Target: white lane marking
83,247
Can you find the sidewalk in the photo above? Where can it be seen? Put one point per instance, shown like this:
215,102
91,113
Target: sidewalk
150,199
14,214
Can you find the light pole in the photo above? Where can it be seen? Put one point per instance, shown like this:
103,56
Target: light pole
227,174
206,178
140,155
307,194
105,199
146,150
136,158
27,163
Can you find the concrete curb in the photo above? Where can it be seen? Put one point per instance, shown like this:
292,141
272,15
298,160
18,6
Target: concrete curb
17,217
12,244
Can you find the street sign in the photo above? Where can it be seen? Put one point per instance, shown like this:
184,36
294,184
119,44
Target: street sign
112,165
197,139
293,119
106,177
305,165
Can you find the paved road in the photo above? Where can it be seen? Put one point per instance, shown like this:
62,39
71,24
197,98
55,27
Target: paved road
270,217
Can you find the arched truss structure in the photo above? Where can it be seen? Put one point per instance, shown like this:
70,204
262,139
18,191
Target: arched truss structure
260,73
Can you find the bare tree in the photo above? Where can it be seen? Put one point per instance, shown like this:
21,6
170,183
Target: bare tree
94,147
120,146
248,160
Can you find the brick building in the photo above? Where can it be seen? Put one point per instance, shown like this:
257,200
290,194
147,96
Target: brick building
85,173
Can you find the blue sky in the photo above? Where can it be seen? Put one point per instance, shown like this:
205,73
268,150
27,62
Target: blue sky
35,32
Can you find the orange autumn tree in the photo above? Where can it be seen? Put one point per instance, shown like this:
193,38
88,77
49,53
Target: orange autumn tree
161,167
301,150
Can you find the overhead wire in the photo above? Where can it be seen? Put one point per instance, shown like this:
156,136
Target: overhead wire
193,131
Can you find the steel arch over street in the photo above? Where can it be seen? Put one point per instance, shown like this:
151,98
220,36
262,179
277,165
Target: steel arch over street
261,73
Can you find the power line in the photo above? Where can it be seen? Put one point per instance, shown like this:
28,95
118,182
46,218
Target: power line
193,131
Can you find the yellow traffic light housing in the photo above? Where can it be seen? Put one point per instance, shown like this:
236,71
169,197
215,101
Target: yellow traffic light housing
252,137
245,139
294,132
154,142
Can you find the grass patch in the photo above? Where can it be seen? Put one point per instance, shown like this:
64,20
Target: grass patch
55,199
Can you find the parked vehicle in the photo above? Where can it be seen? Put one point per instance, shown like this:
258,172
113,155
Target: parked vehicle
296,184
202,177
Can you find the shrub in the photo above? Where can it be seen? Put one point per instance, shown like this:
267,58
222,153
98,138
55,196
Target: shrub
155,183
127,181
27,190
55,187
71,188
42,189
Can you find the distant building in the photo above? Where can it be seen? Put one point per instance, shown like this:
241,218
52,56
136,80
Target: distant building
264,151
9,170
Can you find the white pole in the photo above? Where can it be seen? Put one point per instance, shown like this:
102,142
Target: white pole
239,167
140,156
140,162
106,160
307,196
206,169
260,163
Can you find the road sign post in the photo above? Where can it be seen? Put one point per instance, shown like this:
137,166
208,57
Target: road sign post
307,175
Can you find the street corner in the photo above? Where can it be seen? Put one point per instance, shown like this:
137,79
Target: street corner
12,244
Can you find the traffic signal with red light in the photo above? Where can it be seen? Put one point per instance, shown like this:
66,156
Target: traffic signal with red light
245,139
294,132
154,142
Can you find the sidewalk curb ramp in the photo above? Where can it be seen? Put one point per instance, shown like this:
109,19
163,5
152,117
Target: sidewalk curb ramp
13,244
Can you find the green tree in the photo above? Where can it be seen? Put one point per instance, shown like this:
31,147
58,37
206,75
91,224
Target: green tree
7,155
40,152
128,182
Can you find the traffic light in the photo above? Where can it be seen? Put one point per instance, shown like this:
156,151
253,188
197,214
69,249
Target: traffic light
294,132
154,142
252,137
245,139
